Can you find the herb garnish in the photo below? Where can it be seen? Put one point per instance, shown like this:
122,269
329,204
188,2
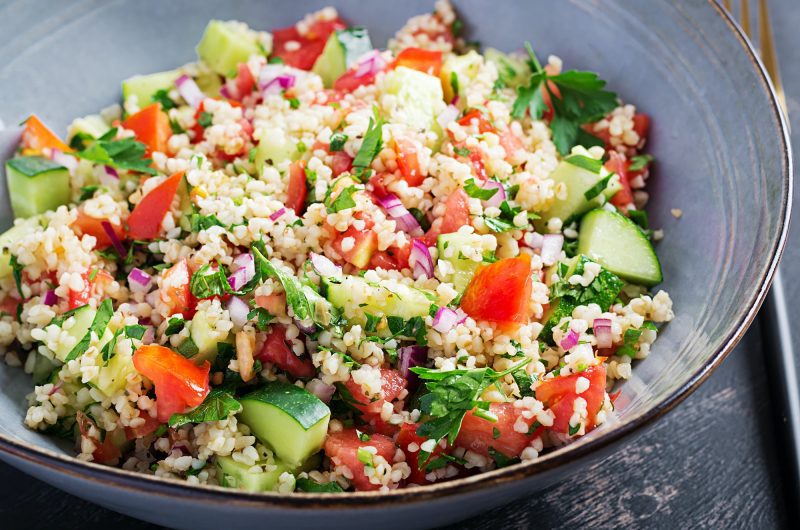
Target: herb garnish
126,153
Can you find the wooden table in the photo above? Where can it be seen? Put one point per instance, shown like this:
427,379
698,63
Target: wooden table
712,462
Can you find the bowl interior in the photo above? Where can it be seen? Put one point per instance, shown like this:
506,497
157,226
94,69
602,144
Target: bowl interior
721,156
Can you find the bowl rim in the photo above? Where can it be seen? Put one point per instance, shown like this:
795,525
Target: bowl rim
145,484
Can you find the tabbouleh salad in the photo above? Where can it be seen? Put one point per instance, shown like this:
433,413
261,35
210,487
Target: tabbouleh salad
302,263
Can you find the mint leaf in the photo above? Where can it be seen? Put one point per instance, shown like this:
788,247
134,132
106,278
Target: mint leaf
476,192
126,153
218,405
98,327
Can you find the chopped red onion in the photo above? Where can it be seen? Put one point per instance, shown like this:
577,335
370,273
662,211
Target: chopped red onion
322,390
149,336
445,320
306,326
189,91
244,271
325,267
274,216
370,63
238,310
112,236
50,298
462,316
420,259
602,332
570,340
500,195
225,92
139,281
278,84
405,221
409,357
109,177
59,157
449,114
534,240
551,248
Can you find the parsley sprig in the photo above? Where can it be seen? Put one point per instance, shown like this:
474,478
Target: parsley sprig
126,153
581,99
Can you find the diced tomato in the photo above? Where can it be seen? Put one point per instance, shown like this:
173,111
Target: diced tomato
558,394
145,219
80,298
479,435
641,124
149,426
511,143
393,258
377,185
407,436
245,83
8,306
456,215
105,452
426,61
275,304
408,161
617,164
392,384
342,448
310,45
151,127
501,292
87,225
179,383
176,293
38,136
476,117
365,245
277,352
341,163
297,192
350,80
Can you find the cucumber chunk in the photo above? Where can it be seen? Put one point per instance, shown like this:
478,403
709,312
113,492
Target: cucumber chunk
274,148
36,185
419,98
226,44
144,86
579,182
513,71
84,316
290,420
343,48
93,125
42,368
205,338
377,298
241,476
616,243
112,377
464,68
448,246
8,240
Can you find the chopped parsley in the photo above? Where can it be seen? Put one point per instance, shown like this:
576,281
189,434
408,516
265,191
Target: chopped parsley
343,200
87,192
505,221
640,162
162,96
631,338
337,142
598,188
208,282
203,222
311,486
370,147
500,459
586,162
454,83
205,119
16,271
218,405
188,348
476,192
98,327
462,151
174,325
262,318
294,103
126,153
421,218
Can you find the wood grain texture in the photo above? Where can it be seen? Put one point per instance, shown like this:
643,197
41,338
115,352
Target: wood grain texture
711,463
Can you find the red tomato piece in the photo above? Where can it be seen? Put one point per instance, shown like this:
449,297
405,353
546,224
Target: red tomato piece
37,136
407,436
456,215
617,164
179,383
408,161
80,298
341,163
277,352
176,293
297,192
377,185
476,117
145,219
365,245
511,143
500,292
426,61
342,448
245,82
392,384
8,306
479,435
641,125
149,426
393,258
105,452
151,126
86,225
274,303
558,394
310,45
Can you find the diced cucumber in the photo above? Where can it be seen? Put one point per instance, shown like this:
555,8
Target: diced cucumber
226,44
289,419
377,298
8,240
112,378
274,147
448,246
238,475
42,368
93,125
36,185
84,316
343,48
578,181
209,84
187,205
144,86
513,71
205,338
419,96
619,245
463,67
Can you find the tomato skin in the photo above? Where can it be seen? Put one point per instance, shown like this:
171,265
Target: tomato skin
105,452
179,383
377,185
297,192
145,219
342,448
276,351
558,394
393,258
456,215
348,81
392,384
407,436
475,116
511,143
245,83
366,243
408,161
478,434
176,293
500,292
149,426
9,306
617,164
37,136
426,61
274,303
641,125
151,126
86,225
80,298
341,163
311,44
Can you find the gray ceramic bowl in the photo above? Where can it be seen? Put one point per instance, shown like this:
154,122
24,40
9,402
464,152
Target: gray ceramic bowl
722,157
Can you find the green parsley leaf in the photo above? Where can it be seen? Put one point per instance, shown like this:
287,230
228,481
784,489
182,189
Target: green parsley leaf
87,192
208,282
262,318
311,486
295,297
454,83
476,192
500,459
640,162
462,151
640,218
109,349
126,153
218,405
573,430
343,200
421,218
80,140
162,96
371,325
505,221
524,382
203,222
175,325
294,103
205,119
98,327
337,142
586,162
16,271
370,147
188,348
135,331
598,188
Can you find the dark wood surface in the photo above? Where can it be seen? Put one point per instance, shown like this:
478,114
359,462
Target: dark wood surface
712,462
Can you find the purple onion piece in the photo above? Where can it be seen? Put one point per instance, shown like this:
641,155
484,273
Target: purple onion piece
322,390
238,310
112,236
420,259
189,91
50,298
274,216
569,342
139,281
445,320
409,357
500,195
